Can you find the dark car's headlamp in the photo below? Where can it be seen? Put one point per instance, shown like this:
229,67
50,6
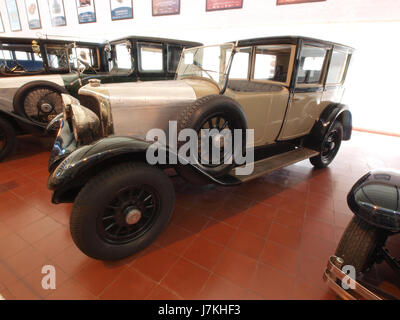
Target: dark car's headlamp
85,123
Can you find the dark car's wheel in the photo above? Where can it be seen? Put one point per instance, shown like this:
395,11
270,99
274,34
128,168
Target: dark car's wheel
8,139
223,115
329,147
40,105
359,244
121,211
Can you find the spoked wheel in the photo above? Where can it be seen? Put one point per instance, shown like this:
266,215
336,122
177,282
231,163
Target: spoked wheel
212,112
223,134
121,211
130,215
8,139
42,105
329,147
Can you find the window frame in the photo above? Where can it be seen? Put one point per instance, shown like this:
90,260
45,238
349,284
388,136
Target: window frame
290,67
133,59
346,66
324,69
160,46
249,67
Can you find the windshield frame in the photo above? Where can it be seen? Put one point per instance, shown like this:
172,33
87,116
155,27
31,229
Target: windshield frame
225,74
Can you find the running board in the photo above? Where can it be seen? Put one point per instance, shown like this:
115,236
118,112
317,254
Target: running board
276,162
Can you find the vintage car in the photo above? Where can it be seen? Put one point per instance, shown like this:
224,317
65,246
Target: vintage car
375,201
35,72
286,90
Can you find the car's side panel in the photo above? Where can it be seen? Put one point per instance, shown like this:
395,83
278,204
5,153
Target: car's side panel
264,112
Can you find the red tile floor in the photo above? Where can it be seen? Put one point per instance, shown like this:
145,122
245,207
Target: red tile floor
268,239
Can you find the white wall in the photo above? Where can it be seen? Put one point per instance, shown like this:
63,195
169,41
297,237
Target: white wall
371,26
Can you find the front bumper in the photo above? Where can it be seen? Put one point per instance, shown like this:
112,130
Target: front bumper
334,275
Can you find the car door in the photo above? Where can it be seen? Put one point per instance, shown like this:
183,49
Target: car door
264,94
304,106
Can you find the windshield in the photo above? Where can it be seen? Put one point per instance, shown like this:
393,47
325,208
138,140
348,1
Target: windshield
207,62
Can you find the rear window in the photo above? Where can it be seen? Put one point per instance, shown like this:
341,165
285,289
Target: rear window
337,66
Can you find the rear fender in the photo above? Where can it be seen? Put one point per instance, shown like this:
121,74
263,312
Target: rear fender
332,113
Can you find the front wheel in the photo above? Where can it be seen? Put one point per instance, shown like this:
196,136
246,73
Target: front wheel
121,211
329,147
358,245
8,139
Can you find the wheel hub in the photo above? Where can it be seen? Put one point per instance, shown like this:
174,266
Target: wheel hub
132,216
218,140
46,107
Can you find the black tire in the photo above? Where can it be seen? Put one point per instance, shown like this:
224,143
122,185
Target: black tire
8,139
40,105
329,149
216,108
359,244
90,217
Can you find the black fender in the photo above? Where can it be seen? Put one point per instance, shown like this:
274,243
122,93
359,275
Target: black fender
375,198
21,124
333,112
24,90
76,169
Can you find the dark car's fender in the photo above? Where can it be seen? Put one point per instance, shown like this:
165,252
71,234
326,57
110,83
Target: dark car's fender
75,170
375,198
333,112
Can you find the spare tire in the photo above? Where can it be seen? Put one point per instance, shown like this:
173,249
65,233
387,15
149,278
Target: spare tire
212,112
40,105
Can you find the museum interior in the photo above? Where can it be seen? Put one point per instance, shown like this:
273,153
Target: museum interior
199,150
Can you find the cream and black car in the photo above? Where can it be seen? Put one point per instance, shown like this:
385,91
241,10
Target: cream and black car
286,90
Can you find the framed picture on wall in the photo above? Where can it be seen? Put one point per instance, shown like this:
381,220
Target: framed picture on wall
13,15
1,24
32,12
166,7
86,11
121,9
213,5
281,2
57,13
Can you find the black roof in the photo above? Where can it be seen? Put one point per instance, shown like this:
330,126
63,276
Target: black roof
287,40
44,40
161,40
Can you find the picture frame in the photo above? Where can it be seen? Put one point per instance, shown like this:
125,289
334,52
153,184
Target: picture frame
121,9
33,14
13,15
284,2
57,13
216,5
166,7
86,11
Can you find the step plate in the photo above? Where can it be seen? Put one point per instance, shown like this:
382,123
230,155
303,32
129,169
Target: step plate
279,161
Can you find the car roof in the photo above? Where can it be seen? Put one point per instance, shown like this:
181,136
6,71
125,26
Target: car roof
287,40
44,40
162,40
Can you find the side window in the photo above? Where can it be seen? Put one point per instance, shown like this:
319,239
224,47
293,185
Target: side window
22,56
5,54
174,54
272,62
240,63
311,65
151,57
337,66
122,58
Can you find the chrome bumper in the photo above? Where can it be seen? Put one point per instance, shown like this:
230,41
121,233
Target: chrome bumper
334,275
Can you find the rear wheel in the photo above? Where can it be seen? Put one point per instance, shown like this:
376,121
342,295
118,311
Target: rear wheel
8,139
359,244
121,211
41,105
329,147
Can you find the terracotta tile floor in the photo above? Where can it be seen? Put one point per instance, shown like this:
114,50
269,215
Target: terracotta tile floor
268,239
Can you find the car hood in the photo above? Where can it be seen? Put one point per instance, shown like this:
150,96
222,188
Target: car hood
150,93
